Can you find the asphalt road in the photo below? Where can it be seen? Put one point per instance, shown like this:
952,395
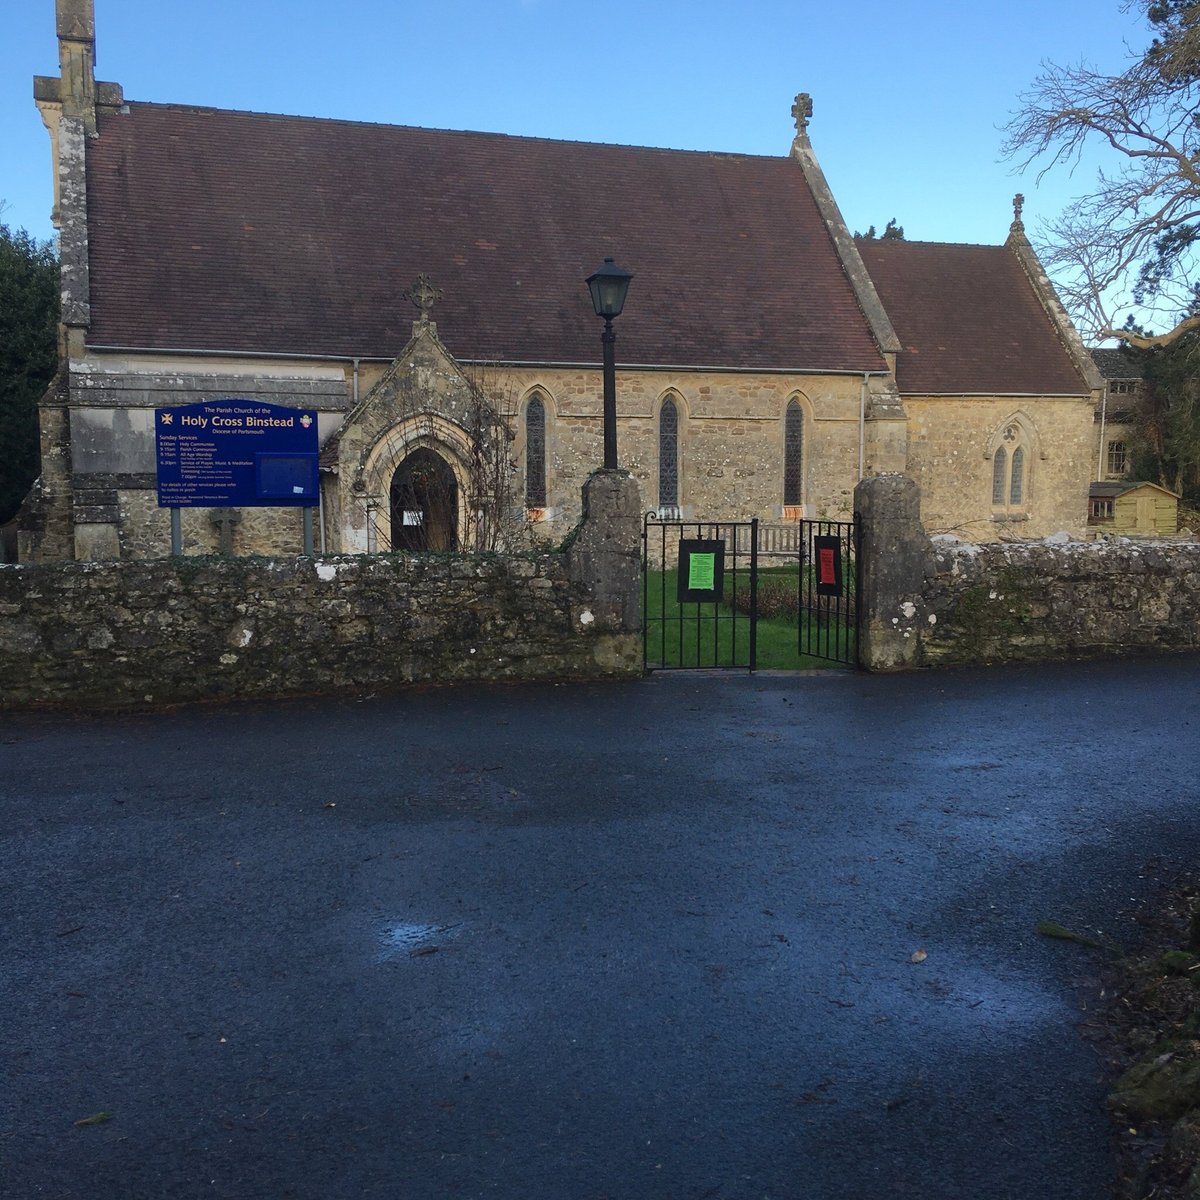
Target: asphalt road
641,940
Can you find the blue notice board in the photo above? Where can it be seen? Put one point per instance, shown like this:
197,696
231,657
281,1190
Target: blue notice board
236,453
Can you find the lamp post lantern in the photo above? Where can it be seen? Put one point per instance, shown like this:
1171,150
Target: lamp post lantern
608,285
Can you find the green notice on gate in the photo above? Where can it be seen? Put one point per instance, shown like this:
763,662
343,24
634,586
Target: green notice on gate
701,570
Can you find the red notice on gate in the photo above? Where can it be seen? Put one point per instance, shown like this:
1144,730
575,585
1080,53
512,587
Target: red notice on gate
828,554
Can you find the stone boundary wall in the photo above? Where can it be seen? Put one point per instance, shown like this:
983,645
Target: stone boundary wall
133,634
1067,600
942,603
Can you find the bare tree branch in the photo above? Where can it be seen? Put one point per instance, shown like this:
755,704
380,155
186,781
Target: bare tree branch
1145,341
1132,241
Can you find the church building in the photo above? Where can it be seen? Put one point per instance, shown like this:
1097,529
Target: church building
422,292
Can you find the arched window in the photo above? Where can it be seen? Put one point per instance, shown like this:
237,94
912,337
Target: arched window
1010,473
999,477
535,453
668,455
1016,482
793,455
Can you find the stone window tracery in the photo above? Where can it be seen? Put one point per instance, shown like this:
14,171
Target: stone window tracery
1010,474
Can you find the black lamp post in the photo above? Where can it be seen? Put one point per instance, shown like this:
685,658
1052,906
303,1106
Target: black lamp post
608,285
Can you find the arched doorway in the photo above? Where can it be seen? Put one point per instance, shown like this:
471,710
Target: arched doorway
424,503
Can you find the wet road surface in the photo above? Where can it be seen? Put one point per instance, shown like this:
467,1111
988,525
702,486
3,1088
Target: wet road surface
638,940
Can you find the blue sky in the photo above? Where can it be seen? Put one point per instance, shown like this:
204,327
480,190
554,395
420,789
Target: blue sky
908,95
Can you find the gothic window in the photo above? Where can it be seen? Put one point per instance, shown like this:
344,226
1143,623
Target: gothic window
1118,459
1016,482
999,477
535,453
1010,473
668,455
793,455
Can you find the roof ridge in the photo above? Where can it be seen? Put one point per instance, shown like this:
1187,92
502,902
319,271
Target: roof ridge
481,133
925,242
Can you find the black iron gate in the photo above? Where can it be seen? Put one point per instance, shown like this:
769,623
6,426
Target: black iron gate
749,594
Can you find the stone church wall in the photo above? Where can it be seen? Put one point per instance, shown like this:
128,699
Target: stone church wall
949,444
731,433
731,436
731,443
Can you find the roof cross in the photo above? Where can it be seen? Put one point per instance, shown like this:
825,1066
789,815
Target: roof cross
423,295
802,111
1018,225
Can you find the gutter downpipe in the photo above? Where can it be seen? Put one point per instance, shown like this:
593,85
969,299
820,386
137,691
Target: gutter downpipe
862,423
1103,419
863,390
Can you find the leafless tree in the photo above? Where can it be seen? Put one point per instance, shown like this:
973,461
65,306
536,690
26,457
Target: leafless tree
501,519
1134,240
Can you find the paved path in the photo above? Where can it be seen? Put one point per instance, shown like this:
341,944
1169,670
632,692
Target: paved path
642,940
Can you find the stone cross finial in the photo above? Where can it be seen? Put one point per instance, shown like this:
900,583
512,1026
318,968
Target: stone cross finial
423,295
802,112
1018,204
225,520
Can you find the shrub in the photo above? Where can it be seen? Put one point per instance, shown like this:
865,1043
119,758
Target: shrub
776,598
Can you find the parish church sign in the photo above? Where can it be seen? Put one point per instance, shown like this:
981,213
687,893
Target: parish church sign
235,453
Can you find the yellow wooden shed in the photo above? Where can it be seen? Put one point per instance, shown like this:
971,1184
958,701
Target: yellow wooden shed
1133,509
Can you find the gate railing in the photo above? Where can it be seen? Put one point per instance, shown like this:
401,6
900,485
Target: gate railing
707,584
828,557
682,633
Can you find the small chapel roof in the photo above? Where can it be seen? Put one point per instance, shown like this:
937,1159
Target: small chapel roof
969,320
1119,363
220,230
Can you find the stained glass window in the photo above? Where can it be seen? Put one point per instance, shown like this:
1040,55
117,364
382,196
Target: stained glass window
1016,492
793,454
999,477
668,455
535,453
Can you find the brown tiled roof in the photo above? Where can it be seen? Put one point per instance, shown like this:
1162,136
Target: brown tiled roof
249,232
969,320
1120,363
1110,490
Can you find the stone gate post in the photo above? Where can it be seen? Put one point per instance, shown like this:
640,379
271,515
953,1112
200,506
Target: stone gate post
895,561
605,562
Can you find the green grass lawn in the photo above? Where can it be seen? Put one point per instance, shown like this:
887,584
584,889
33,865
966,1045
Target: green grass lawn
716,635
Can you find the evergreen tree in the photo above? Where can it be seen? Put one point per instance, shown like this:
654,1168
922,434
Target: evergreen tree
29,294
891,232
1166,448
